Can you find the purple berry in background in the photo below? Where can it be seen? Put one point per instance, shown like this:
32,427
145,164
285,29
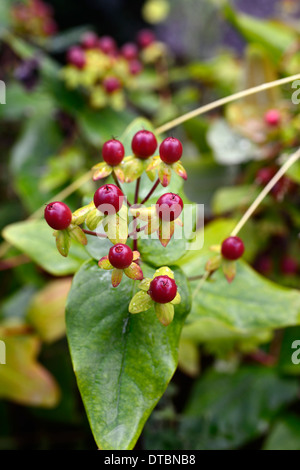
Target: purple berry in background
162,289
113,152
120,256
144,144
169,207
108,199
76,57
170,150
58,215
232,248
28,74
89,40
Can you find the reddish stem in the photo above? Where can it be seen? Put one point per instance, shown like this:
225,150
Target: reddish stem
119,186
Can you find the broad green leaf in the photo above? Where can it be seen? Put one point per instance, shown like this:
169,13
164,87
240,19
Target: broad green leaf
227,410
123,362
46,311
22,379
35,239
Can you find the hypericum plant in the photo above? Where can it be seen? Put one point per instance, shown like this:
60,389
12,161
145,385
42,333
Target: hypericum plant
105,71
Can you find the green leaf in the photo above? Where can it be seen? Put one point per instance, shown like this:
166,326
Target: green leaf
35,239
122,362
233,197
227,410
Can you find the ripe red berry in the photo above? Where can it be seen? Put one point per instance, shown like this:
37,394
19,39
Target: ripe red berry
170,150
232,248
76,57
113,152
144,144
89,40
120,256
273,118
169,206
58,215
111,84
145,37
108,199
162,289
130,51
107,45
135,67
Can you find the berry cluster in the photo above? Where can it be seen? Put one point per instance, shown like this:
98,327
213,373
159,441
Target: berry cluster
34,18
106,71
109,214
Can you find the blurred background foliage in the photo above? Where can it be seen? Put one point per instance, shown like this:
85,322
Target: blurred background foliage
227,393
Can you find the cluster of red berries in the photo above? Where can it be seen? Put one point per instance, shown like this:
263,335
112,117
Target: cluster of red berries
99,65
34,18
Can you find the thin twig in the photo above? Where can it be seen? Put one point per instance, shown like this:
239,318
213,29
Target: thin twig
136,200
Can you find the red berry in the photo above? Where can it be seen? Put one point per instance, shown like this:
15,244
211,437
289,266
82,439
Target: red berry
272,118
76,57
170,150
107,45
108,199
232,248
130,51
135,67
111,84
144,144
145,38
162,289
113,152
169,206
120,256
89,40
288,265
58,215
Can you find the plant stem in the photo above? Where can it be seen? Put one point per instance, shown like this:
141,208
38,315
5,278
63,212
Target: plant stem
94,234
136,200
150,192
228,99
291,160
